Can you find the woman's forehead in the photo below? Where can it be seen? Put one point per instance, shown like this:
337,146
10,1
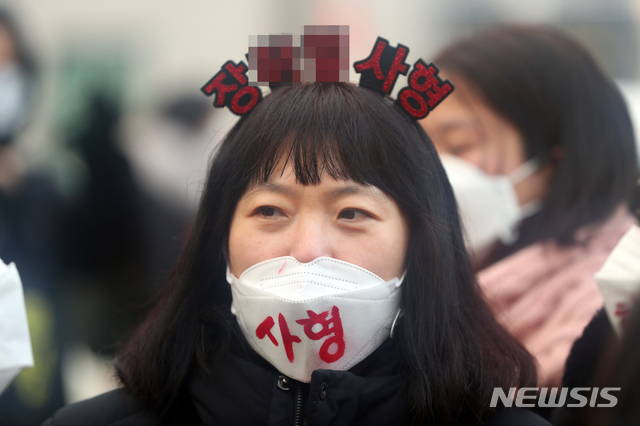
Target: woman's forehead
284,182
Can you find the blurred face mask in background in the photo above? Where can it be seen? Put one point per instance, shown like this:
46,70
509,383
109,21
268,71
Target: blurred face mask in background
488,204
13,101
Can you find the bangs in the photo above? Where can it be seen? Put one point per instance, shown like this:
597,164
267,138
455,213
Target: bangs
334,128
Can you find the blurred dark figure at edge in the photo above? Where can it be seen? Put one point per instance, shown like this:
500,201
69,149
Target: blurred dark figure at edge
119,242
88,264
103,253
29,208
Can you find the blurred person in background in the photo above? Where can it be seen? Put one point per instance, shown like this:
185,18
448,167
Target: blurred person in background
169,151
539,148
619,368
120,237
619,283
30,208
169,156
103,253
17,78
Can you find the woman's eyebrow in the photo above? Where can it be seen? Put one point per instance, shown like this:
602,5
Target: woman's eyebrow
272,187
454,124
369,191
349,189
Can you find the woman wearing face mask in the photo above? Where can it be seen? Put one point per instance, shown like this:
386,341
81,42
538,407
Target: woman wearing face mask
17,75
538,145
326,282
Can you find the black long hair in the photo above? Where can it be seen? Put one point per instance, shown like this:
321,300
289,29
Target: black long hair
451,350
550,88
618,367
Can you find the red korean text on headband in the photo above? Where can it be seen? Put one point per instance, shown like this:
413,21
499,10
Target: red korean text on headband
425,91
378,72
231,88
381,69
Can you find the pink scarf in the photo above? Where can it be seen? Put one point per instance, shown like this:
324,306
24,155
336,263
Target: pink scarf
545,295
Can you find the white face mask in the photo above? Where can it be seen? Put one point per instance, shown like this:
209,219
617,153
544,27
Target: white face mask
619,279
13,99
488,205
325,314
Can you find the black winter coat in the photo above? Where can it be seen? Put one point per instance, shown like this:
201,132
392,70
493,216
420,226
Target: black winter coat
245,390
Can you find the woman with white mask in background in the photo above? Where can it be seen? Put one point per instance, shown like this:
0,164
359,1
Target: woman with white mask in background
538,146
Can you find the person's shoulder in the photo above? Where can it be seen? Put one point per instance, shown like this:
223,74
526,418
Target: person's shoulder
516,416
116,407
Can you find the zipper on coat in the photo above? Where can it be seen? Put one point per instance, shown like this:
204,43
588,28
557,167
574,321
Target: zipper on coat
299,417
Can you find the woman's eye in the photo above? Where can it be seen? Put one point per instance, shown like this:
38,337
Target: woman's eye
352,214
268,211
460,150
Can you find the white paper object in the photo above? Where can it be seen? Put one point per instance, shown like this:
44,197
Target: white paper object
15,343
619,278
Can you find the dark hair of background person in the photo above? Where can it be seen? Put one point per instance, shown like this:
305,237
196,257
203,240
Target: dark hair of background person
619,367
582,363
449,347
551,89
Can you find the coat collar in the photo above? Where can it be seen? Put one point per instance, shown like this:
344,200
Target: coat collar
243,389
